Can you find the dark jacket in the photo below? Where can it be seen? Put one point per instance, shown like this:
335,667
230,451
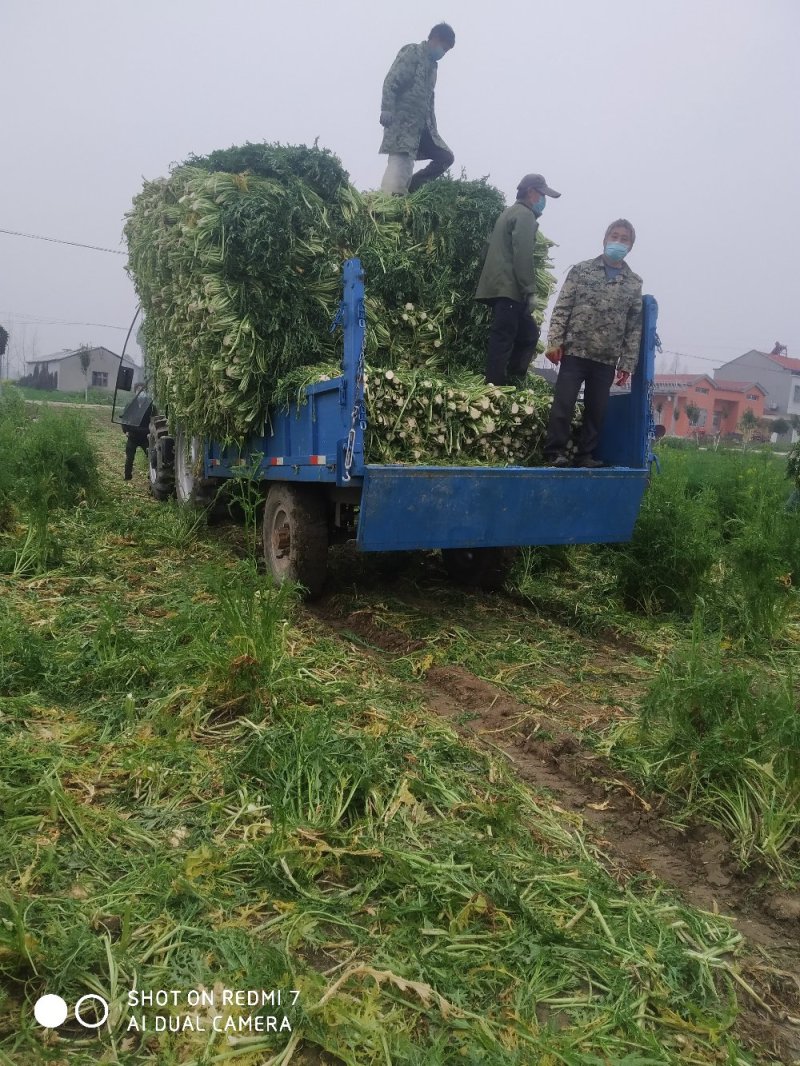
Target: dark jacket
508,270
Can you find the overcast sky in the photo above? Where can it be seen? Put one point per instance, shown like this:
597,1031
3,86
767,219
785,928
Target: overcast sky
681,115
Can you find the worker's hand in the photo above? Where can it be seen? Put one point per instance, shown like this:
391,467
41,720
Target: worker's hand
622,378
531,302
555,354
387,118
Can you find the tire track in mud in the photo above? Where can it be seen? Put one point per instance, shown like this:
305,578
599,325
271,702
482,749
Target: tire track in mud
626,826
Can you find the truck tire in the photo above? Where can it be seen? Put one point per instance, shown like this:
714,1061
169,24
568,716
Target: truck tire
191,488
295,536
392,565
161,459
483,568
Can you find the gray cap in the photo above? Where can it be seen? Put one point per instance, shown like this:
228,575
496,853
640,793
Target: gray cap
535,181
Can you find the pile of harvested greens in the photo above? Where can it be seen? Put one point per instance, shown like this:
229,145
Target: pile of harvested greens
237,258
419,416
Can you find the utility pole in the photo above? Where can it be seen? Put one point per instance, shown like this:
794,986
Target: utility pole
4,351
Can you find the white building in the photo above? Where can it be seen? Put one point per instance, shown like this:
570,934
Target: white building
779,375
68,370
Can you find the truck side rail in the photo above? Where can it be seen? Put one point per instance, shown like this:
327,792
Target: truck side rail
628,431
321,440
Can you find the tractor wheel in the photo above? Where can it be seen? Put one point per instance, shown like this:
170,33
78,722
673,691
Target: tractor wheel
161,456
191,488
483,568
392,565
295,535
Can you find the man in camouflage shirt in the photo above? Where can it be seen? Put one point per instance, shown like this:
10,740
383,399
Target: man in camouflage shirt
595,332
407,114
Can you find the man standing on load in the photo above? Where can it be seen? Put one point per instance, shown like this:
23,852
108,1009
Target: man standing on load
595,332
508,283
407,114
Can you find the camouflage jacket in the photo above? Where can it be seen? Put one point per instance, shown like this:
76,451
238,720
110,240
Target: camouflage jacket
597,318
408,96
508,269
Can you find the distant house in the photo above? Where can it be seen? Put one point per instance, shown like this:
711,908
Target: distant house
67,370
721,404
779,375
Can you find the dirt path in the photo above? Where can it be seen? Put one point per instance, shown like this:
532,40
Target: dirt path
626,826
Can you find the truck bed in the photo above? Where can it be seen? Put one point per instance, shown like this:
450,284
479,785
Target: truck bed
408,507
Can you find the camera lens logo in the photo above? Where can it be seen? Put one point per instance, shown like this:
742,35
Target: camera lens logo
52,1011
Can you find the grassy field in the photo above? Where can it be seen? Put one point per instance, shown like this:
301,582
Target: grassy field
206,787
94,396
709,582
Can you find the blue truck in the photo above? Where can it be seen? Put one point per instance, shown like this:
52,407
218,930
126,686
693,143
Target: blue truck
319,488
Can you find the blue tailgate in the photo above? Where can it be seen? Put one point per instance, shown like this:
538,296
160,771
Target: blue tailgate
405,508
408,507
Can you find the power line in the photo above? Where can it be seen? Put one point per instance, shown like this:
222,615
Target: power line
730,347
685,355
35,320
55,240
701,358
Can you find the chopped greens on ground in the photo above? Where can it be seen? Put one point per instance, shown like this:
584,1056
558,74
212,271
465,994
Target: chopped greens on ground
203,788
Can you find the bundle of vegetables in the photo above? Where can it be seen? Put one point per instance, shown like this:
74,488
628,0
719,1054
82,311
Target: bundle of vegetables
419,415
427,251
415,417
237,256
238,278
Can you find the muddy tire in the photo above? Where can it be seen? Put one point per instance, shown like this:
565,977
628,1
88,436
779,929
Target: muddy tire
482,568
295,536
161,459
191,488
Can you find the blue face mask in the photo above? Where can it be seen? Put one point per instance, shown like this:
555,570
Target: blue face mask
539,206
436,53
615,251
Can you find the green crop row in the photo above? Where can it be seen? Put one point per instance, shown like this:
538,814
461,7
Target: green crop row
717,530
715,557
47,464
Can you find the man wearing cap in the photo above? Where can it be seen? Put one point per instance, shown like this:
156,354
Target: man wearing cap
594,336
408,117
508,283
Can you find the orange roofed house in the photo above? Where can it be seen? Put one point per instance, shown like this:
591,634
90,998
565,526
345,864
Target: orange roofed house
721,403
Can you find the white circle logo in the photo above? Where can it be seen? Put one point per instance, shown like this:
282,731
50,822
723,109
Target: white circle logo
50,1011
86,999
